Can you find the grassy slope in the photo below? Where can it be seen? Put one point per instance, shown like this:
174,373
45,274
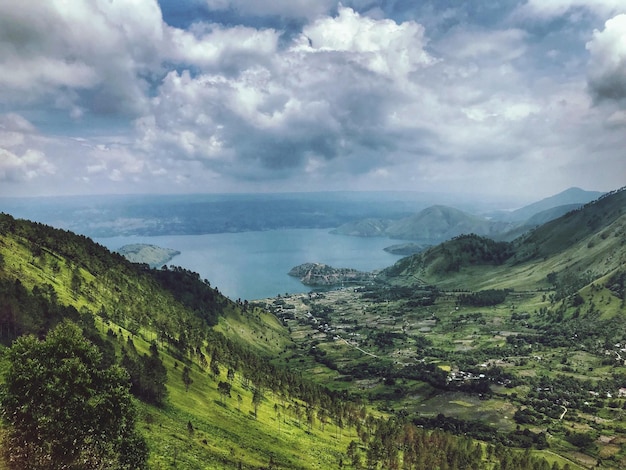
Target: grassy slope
225,430
598,254
224,435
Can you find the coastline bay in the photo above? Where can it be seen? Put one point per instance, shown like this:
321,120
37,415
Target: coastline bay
255,265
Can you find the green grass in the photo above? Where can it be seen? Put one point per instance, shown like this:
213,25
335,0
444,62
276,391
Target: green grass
225,431
226,434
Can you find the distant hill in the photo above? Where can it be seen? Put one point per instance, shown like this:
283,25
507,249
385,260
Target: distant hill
536,220
364,228
431,225
560,234
547,215
441,223
438,223
569,197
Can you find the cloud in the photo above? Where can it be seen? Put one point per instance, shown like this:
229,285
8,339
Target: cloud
327,97
382,46
307,95
607,63
479,44
93,55
20,160
23,167
215,47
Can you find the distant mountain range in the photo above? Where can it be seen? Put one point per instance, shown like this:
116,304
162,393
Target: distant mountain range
559,203
438,223
584,243
427,217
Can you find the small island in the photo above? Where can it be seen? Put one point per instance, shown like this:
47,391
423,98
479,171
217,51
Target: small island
322,275
405,249
152,255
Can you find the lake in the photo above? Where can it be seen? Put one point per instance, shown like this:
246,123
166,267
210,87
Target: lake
254,265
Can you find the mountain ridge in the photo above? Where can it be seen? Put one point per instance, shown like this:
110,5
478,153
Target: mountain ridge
595,231
570,196
432,224
437,223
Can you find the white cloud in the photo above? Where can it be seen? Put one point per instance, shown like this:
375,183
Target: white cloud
362,100
213,46
607,64
20,157
311,107
382,46
552,8
335,99
99,49
23,166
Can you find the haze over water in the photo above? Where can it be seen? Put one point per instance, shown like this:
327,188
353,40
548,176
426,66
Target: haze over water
254,265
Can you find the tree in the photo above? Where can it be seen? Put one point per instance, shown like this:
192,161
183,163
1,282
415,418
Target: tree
224,389
64,409
354,455
215,366
257,396
76,281
187,380
147,373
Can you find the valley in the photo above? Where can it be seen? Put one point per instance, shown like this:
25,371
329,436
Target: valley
529,351
505,354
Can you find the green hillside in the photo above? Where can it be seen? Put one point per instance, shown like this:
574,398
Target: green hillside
215,383
47,275
584,243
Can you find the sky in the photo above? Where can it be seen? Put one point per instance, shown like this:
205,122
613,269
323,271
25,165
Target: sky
493,97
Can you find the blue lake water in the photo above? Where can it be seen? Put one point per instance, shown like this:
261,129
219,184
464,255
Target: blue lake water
254,265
